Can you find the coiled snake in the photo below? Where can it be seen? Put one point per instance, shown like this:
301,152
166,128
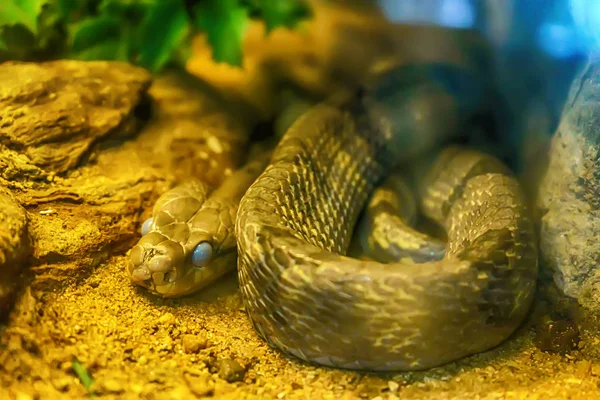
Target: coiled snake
295,223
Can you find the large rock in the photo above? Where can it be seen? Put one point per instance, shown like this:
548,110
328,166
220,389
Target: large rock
85,150
53,113
569,194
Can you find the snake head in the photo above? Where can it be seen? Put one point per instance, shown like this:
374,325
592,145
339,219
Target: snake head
175,258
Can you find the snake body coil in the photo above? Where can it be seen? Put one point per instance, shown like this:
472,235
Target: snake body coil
295,222
306,298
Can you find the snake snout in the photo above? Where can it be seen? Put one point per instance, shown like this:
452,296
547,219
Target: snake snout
160,263
155,264
140,274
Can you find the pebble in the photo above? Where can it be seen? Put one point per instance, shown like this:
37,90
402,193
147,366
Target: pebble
112,386
61,384
167,319
584,368
23,396
200,385
557,336
393,386
193,343
230,370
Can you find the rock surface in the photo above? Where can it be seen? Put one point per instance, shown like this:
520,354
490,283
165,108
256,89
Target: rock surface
14,246
569,194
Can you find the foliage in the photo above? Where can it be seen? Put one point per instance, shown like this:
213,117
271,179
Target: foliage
150,33
84,376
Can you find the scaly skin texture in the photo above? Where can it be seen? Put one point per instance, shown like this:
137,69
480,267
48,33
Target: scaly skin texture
294,226
387,231
295,223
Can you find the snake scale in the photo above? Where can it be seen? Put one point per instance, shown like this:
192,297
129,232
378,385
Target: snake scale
295,222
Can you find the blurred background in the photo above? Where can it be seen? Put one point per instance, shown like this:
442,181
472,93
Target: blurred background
538,47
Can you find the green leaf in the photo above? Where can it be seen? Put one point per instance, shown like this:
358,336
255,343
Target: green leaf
131,11
19,40
74,10
184,52
115,49
92,31
287,13
23,12
51,35
225,23
162,31
82,373
99,38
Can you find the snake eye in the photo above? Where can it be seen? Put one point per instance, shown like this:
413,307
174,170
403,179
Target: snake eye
147,225
202,254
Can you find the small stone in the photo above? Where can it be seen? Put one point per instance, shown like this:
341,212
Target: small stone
15,343
296,386
200,385
166,345
230,370
557,336
66,366
193,343
595,369
61,384
23,396
167,319
583,368
112,386
393,386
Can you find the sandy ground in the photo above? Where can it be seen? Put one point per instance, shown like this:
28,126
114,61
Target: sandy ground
134,345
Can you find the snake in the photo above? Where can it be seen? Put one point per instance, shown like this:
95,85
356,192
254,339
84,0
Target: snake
416,301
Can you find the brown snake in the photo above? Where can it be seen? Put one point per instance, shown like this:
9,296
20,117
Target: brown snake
295,223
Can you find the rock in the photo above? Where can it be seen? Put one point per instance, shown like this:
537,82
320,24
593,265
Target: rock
568,200
393,386
112,386
167,319
52,113
558,336
230,370
14,246
193,343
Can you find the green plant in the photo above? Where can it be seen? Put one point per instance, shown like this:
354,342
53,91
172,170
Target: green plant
150,33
